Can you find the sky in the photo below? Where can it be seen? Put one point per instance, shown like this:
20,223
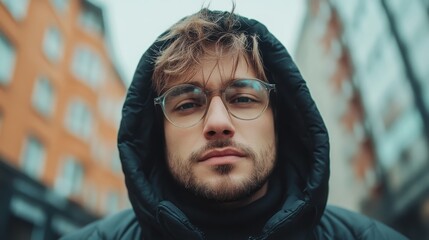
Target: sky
134,25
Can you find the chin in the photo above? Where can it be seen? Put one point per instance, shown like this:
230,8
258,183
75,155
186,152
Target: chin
226,187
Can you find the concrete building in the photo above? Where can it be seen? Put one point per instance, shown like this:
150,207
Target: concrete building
366,64
61,95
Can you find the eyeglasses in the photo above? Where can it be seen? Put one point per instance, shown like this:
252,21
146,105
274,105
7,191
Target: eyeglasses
185,105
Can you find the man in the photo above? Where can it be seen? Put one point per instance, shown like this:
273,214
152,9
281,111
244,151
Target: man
220,139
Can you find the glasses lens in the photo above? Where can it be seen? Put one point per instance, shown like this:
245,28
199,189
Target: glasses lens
184,105
246,98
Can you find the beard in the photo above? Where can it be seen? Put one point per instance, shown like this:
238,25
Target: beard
226,188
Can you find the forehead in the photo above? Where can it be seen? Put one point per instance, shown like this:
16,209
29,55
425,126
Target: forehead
216,72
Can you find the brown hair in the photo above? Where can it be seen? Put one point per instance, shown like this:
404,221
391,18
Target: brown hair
201,35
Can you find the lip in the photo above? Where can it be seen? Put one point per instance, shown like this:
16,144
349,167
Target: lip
221,153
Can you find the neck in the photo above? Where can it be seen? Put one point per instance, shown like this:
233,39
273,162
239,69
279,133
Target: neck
245,201
239,219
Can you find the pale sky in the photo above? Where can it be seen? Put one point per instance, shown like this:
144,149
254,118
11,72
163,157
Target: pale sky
135,24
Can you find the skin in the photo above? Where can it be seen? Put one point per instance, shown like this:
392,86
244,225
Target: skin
244,149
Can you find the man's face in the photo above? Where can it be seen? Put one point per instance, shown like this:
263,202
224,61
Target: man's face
222,158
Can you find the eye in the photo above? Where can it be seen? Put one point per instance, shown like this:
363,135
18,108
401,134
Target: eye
242,99
187,106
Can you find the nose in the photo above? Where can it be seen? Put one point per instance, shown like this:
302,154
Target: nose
217,122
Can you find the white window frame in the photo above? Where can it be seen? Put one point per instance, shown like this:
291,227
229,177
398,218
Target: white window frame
8,56
79,119
70,177
17,8
53,44
33,156
90,21
60,5
44,96
88,66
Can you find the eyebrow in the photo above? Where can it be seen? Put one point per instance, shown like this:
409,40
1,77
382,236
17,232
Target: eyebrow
198,83
224,82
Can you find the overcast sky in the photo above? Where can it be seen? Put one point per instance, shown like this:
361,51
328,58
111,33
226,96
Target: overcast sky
135,24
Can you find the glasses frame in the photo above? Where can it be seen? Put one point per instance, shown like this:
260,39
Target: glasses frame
160,100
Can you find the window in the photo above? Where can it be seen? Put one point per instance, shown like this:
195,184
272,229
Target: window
400,136
91,18
79,119
110,109
26,220
18,8
7,56
43,97
53,44
60,5
87,66
33,157
398,100
70,177
412,161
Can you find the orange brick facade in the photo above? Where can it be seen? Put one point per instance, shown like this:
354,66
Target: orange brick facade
95,153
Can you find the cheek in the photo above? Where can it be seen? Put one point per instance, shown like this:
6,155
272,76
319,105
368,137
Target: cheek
262,130
170,134
261,138
179,141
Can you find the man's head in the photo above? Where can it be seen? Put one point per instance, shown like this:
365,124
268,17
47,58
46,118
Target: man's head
219,125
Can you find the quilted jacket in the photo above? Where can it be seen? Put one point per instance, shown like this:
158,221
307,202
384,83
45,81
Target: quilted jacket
303,163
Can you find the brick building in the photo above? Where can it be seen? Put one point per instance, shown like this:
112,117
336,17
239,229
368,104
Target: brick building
61,94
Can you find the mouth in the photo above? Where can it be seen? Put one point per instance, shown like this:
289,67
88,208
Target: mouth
222,156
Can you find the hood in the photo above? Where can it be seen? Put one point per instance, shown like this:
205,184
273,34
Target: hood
303,146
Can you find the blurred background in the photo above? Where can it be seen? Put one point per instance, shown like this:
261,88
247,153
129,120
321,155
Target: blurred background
65,66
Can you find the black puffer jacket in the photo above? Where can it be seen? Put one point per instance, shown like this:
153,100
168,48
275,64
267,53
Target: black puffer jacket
303,164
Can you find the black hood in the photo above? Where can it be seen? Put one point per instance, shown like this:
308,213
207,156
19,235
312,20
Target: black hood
303,147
